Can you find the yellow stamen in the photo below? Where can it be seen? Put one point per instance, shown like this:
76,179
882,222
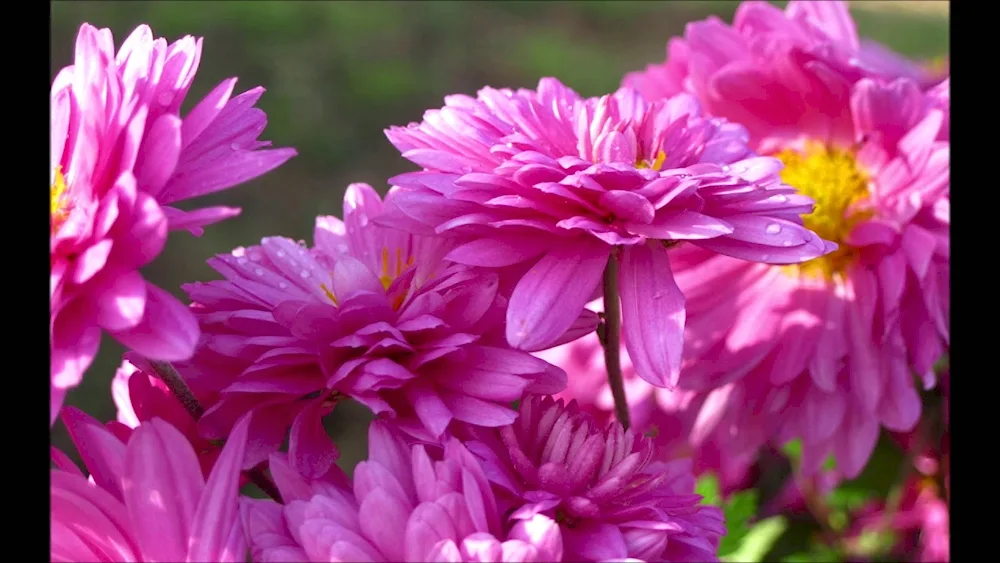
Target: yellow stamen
329,294
387,276
657,163
59,199
832,178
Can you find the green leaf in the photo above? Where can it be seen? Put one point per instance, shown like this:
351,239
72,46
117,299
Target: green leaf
708,487
758,541
793,449
739,509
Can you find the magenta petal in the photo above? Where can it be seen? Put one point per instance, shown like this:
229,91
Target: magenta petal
158,156
162,491
652,314
594,542
168,330
310,448
549,298
495,252
102,452
91,261
193,221
216,527
122,304
351,276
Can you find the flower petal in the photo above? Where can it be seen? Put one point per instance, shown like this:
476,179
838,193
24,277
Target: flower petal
652,314
549,298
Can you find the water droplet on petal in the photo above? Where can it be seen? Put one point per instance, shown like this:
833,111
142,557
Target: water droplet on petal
259,271
234,146
282,285
725,168
164,98
773,229
281,254
786,243
779,198
304,274
242,261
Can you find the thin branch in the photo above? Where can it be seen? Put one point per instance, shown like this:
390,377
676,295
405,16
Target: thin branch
612,340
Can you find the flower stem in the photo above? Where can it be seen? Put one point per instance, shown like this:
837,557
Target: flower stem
173,380
175,383
612,340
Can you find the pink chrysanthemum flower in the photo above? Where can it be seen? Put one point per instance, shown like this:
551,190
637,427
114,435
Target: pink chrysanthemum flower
824,350
610,499
406,504
774,71
674,420
121,156
558,184
146,499
370,313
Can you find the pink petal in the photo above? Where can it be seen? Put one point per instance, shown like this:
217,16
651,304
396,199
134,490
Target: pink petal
101,451
652,314
91,261
549,298
218,531
311,450
193,221
496,252
168,330
682,225
162,490
594,542
122,304
161,148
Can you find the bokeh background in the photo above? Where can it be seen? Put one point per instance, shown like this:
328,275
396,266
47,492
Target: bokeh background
338,73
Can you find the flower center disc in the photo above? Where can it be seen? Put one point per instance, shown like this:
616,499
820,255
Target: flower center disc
59,200
834,180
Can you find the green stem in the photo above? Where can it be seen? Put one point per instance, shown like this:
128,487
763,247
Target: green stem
612,340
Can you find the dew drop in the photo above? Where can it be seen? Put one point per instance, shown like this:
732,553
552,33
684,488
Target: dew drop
242,261
282,285
725,168
164,98
786,243
304,274
779,198
773,229
234,146
281,254
259,272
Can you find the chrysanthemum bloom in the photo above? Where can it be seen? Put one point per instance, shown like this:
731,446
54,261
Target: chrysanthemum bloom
406,504
370,313
824,350
672,419
776,72
121,156
558,184
600,484
147,499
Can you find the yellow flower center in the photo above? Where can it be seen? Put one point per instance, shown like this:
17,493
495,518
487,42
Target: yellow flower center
834,180
59,199
390,271
657,163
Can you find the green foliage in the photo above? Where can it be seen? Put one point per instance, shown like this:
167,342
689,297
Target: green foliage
757,541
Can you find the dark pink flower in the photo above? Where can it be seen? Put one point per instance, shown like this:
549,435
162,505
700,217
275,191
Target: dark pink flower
558,184
406,504
674,420
369,313
601,486
146,499
121,156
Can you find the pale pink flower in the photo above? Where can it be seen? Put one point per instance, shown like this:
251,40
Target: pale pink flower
777,72
823,351
406,504
121,156
611,500
557,184
146,499
369,313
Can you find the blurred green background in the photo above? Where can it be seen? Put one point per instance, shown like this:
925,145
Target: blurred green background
338,73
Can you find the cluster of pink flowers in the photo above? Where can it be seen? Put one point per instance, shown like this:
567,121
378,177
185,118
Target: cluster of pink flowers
574,306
